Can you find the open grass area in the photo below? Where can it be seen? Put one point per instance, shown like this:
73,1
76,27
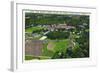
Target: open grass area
33,29
60,45
36,57
46,52
29,57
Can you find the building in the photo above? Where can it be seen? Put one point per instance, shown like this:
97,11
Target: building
59,26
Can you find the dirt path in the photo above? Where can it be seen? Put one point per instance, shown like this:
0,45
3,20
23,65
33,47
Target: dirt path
50,46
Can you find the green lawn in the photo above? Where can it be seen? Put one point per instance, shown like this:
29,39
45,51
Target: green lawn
60,45
29,57
33,29
46,52
36,57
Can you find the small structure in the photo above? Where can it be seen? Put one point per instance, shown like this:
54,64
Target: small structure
43,38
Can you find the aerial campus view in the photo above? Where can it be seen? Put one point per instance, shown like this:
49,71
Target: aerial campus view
56,36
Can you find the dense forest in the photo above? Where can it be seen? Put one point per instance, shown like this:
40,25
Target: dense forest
47,19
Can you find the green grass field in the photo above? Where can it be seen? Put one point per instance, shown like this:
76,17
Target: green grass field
33,29
61,45
36,57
